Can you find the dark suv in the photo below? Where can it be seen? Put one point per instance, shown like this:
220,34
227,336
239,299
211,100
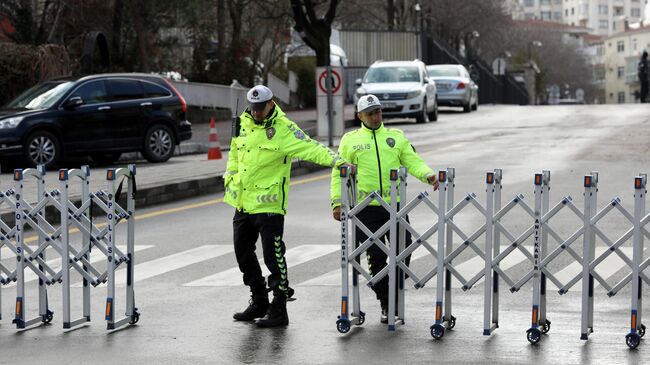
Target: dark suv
100,116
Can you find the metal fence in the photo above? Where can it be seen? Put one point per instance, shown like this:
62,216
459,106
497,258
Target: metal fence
93,255
538,246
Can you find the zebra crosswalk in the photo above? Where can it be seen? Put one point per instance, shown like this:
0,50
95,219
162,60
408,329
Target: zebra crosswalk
314,254
295,256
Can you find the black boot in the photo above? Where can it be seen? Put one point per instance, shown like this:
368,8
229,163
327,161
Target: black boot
277,314
258,305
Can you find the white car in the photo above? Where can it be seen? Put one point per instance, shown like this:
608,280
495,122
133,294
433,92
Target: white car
455,87
404,89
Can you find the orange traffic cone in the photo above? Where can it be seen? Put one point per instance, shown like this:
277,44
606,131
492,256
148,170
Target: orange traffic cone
214,149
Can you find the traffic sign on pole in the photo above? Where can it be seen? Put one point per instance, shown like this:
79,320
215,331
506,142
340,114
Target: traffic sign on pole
330,106
336,80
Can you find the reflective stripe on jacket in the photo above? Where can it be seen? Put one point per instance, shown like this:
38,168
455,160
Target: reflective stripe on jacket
376,152
259,162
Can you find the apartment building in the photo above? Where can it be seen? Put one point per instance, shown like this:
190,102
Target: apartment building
547,10
601,16
620,56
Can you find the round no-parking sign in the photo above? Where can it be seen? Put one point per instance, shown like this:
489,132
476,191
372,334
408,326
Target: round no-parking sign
336,78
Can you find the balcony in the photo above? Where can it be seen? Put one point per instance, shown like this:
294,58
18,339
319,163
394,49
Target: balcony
631,78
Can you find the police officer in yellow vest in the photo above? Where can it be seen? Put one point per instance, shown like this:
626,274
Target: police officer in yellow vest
257,185
375,150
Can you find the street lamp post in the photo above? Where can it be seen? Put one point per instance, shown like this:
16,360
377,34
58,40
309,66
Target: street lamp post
530,49
418,28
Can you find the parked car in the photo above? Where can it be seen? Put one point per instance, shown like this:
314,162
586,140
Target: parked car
100,116
404,89
455,87
570,102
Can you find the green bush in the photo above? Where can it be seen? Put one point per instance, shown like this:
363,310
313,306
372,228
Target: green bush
305,69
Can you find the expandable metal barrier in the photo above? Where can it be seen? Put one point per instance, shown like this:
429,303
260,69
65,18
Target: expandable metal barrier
73,258
493,230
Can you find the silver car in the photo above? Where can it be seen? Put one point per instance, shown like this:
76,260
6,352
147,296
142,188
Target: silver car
404,89
455,87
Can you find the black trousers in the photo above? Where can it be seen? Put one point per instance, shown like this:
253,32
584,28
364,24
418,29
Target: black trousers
246,229
644,91
373,217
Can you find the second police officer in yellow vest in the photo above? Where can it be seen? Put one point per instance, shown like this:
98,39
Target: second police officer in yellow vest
257,185
375,150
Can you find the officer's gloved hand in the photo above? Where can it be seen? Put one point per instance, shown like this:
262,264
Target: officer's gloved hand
433,180
336,213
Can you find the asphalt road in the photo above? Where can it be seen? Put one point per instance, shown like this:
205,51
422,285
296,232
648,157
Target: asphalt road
188,286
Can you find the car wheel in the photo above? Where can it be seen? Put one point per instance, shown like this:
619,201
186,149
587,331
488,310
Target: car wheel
475,106
158,143
467,107
42,148
433,116
423,117
106,158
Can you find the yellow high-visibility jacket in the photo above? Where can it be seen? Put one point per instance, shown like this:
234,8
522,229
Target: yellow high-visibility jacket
375,153
259,163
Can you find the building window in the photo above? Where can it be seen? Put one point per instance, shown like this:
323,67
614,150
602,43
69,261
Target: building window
573,11
603,9
599,73
529,16
635,12
557,15
557,2
620,46
634,44
566,12
620,72
529,3
546,15
621,97
544,2
603,24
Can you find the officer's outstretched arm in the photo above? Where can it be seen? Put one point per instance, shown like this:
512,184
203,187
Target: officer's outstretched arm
414,163
297,144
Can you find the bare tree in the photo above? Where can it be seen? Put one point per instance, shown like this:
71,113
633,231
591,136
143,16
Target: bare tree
268,47
315,30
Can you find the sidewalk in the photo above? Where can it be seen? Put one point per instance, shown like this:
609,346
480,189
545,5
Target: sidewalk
306,120
184,176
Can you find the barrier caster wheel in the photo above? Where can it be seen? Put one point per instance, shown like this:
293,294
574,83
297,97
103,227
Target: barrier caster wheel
437,331
533,335
49,315
135,318
343,325
632,340
642,330
546,326
452,322
362,319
